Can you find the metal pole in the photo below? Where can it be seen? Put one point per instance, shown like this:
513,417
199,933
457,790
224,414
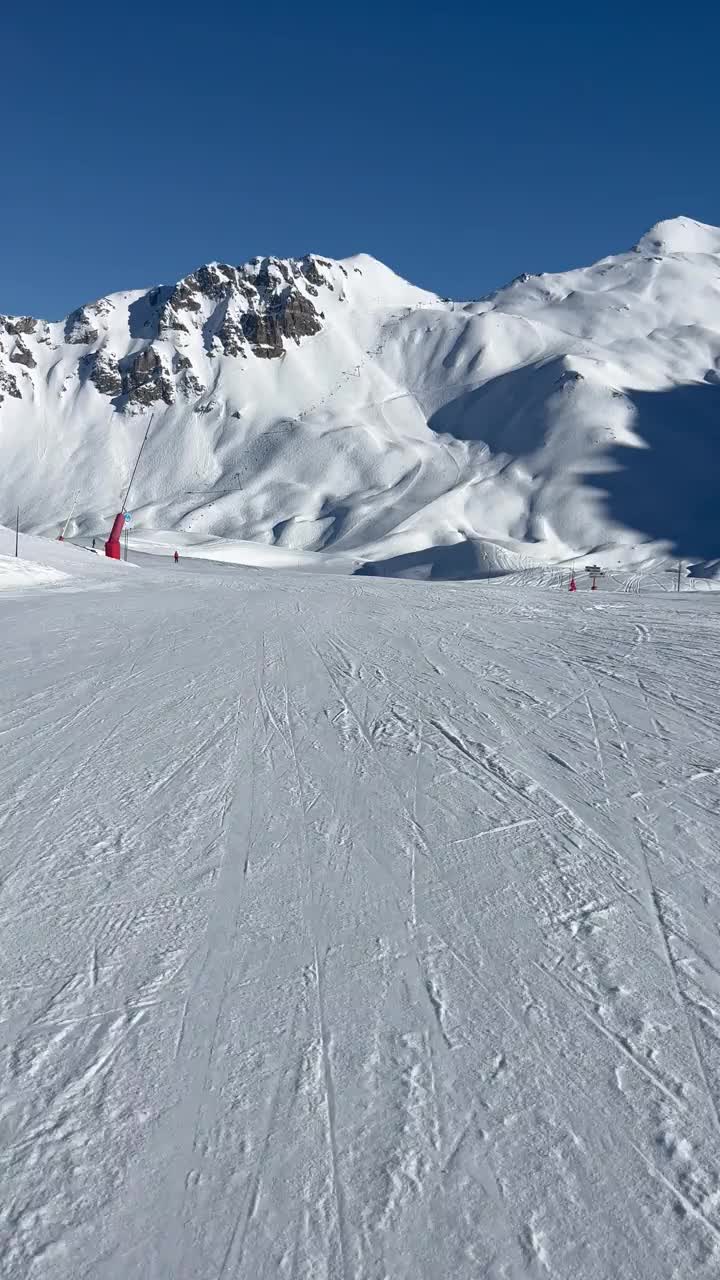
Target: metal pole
142,446
679,573
72,513
17,529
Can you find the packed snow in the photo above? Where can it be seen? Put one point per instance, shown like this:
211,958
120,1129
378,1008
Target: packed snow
328,408
41,562
357,928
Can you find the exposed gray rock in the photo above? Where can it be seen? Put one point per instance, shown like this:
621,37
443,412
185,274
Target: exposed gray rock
21,355
191,385
79,328
231,335
310,271
20,324
8,385
263,332
169,321
210,282
230,273
183,298
103,372
271,277
145,379
300,319
287,315
257,306
102,307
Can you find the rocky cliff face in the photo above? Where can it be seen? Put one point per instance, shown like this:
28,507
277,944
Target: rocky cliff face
244,312
241,312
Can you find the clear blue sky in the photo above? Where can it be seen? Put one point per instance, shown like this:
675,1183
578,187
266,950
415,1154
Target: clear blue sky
458,142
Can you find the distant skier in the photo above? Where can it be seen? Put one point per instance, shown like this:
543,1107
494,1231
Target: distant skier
93,544
176,557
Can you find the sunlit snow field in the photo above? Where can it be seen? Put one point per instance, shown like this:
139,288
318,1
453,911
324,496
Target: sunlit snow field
356,928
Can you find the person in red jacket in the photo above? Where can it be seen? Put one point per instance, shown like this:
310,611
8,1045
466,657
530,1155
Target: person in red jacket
176,557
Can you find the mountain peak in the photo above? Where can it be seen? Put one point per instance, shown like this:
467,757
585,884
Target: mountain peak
312,403
680,235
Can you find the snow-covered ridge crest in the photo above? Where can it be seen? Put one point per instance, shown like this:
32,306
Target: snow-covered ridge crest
680,235
321,405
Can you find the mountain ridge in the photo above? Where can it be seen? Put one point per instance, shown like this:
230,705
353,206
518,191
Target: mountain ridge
329,405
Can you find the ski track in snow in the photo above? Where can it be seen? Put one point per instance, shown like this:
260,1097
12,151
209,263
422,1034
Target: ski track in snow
355,928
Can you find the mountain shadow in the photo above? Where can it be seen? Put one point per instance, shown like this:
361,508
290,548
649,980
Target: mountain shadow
459,562
508,413
143,313
670,490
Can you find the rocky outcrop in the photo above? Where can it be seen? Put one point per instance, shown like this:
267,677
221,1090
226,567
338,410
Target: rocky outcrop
255,308
79,327
145,379
263,333
309,268
169,322
231,334
21,355
299,317
182,298
103,372
8,385
292,316
19,324
191,385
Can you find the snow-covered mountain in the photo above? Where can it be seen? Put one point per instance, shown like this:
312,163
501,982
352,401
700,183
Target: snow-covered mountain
329,405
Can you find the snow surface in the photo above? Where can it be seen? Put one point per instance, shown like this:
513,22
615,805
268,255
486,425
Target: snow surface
565,415
42,562
357,928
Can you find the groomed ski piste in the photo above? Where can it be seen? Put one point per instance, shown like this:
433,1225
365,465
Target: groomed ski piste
355,927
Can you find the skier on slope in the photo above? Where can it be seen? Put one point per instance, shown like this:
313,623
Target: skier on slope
176,557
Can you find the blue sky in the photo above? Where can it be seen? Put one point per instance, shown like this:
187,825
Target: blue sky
461,144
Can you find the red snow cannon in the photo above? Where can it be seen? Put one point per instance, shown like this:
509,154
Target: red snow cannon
112,546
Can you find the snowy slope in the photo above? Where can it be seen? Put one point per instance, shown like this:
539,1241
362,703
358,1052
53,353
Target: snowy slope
323,405
358,929
42,562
